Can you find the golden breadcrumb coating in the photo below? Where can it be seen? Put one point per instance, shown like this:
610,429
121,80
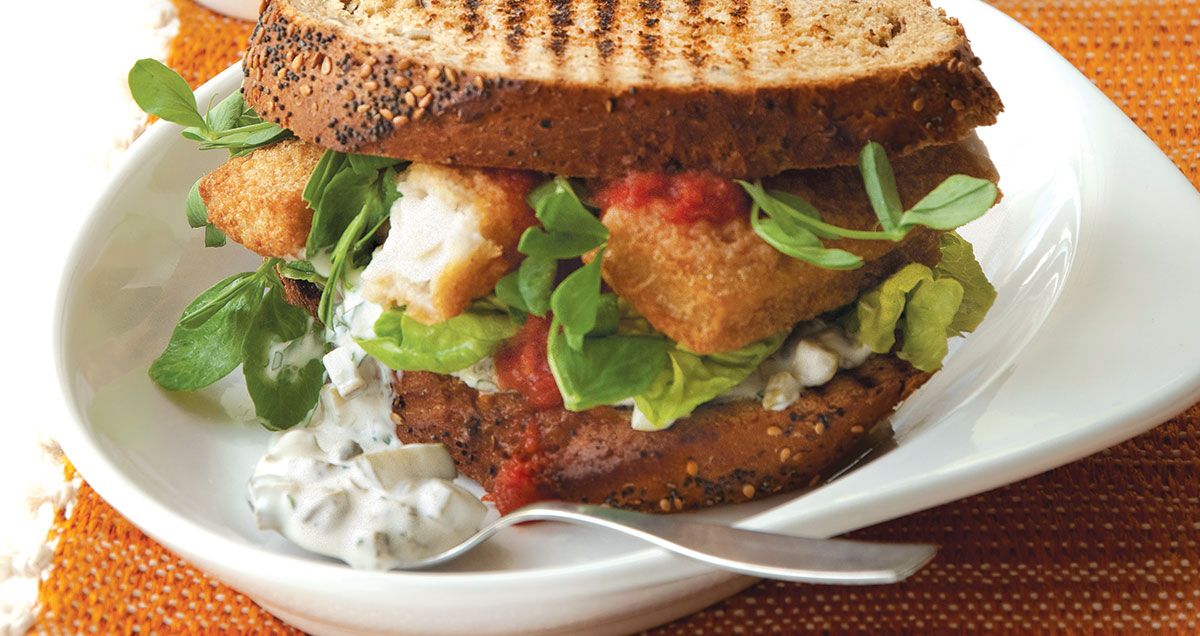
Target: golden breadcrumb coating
481,215
720,287
256,199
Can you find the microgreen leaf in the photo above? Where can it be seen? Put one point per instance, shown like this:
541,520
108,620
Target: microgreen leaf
197,212
560,210
956,201
207,343
576,300
301,270
213,236
161,92
801,243
535,277
282,363
880,183
509,292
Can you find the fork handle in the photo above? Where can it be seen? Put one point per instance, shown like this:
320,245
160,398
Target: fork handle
762,554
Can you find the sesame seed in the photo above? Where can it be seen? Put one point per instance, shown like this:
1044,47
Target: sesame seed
404,65
364,70
419,90
386,113
282,71
297,61
784,454
774,431
305,89
957,104
478,82
399,120
857,430
693,468
396,419
608,105
451,76
401,81
326,66
370,85
915,74
813,482
425,101
678,503
362,108
347,94
433,73
748,490
410,99
819,428
664,504
918,104
419,113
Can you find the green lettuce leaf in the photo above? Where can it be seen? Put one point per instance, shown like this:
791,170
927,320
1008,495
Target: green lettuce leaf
606,369
958,262
928,305
873,320
452,345
690,379
931,306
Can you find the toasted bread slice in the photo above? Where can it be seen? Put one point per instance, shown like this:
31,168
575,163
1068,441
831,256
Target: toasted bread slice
721,453
600,88
720,287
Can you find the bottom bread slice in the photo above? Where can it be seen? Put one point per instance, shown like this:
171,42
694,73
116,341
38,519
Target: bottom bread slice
721,453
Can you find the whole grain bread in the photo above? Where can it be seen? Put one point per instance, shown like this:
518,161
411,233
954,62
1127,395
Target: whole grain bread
741,88
721,453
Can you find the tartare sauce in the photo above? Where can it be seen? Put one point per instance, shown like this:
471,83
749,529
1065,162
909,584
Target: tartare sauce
345,487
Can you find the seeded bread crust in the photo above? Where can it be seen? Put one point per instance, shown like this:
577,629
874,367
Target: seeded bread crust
721,453
314,68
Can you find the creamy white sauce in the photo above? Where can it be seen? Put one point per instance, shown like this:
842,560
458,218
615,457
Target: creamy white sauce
480,376
345,487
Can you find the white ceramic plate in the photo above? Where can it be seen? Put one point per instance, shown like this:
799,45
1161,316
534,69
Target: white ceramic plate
1091,341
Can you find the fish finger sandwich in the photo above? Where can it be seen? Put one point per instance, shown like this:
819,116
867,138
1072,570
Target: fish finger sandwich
654,255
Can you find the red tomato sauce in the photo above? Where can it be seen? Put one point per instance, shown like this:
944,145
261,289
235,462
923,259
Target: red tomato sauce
518,482
523,366
683,198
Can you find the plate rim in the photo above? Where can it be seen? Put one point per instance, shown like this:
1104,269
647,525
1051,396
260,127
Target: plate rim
71,428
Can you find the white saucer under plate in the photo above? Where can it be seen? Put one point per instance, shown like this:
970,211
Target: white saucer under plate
1092,341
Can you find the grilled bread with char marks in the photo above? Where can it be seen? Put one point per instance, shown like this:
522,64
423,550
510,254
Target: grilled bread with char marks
740,88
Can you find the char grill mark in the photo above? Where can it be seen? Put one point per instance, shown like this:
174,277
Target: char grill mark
514,19
560,20
606,11
695,20
470,16
648,34
737,19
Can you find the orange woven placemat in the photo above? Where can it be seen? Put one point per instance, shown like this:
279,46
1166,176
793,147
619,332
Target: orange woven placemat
1107,543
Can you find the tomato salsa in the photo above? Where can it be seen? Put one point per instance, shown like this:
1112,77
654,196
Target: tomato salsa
682,198
522,365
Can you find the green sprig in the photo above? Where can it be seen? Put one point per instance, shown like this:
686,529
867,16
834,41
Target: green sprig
794,227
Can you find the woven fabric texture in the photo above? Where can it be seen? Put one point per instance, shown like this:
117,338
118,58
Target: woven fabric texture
1106,544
